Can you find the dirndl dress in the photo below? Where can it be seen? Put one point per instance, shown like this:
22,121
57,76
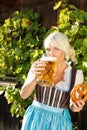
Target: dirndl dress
39,116
51,109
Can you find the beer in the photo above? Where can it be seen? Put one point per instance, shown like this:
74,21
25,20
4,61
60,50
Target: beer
46,77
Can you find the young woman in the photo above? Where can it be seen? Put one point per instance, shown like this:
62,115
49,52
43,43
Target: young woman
50,108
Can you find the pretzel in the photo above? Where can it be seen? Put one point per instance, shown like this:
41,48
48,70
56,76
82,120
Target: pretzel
79,92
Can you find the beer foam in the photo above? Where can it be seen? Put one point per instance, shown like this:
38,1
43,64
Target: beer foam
48,58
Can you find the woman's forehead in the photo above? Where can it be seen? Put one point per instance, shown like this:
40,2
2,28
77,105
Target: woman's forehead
53,45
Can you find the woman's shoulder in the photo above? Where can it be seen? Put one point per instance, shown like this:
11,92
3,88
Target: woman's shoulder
79,73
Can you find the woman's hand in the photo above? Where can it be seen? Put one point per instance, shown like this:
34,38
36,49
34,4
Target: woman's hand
78,106
38,67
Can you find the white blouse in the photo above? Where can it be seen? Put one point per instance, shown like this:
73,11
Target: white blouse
62,85
65,85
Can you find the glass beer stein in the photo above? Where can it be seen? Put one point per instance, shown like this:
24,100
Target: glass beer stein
46,77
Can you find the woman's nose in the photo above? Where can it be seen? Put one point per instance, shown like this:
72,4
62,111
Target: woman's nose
51,53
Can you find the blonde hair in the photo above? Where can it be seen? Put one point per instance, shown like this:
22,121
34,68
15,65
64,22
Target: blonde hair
61,41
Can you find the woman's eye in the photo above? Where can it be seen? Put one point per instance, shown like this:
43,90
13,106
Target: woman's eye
48,50
56,48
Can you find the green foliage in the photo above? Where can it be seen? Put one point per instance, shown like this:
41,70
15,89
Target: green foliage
17,105
21,43
71,21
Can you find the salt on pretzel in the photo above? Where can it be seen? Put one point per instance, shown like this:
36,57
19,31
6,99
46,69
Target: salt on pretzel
79,92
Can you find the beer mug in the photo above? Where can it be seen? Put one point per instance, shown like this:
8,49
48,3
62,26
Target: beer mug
46,77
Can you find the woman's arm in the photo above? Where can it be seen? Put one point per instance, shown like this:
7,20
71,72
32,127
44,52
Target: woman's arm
78,106
29,85
31,81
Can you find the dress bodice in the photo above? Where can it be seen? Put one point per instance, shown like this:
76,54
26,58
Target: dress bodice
52,96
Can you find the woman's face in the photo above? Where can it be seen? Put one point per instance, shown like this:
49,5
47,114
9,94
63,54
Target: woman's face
55,52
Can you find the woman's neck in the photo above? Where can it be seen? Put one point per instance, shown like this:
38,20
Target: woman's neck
61,66
59,75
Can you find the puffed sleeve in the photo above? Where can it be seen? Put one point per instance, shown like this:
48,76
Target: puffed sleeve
30,77
79,77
